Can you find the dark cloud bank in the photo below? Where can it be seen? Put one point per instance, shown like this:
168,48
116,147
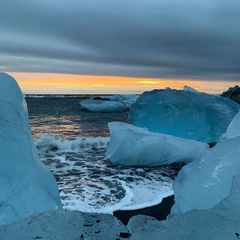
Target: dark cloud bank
158,38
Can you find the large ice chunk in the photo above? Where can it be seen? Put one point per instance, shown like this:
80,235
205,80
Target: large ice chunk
203,184
219,223
26,186
65,225
233,129
130,145
186,114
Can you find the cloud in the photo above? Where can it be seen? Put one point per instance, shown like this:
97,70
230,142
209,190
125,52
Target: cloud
157,38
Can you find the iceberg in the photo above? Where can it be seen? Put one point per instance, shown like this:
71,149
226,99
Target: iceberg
115,103
134,146
26,186
128,100
222,222
186,114
233,129
203,184
92,105
189,89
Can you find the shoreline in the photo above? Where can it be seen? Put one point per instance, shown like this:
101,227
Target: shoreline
65,224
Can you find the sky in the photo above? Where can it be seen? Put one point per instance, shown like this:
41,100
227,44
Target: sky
152,40
45,83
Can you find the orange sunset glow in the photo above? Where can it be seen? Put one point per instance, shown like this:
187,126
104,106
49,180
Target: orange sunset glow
90,84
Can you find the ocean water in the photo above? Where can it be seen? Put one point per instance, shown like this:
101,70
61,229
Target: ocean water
72,144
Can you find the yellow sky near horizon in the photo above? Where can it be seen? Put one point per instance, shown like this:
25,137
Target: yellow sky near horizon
41,83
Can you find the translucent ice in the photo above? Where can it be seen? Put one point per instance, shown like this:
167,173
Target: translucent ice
189,89
26,186
203,184
65,225
130,145
92,105
222,222
233,129
185,114
115,103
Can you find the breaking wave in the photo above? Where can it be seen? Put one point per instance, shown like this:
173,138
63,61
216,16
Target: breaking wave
88,182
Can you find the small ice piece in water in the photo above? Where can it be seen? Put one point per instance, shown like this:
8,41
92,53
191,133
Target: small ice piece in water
128,100
26,186
134,146
92,105
189,89
115,103
203,184
186,114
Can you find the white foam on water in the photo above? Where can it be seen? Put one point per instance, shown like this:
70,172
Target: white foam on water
88,184
46,142
75,203
148,194
136,197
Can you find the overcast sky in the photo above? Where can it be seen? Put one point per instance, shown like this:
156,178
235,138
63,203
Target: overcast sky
158,38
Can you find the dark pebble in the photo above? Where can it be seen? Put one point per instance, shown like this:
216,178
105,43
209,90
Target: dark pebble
124,235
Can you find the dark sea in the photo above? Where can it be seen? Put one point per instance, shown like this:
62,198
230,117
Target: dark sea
72,144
